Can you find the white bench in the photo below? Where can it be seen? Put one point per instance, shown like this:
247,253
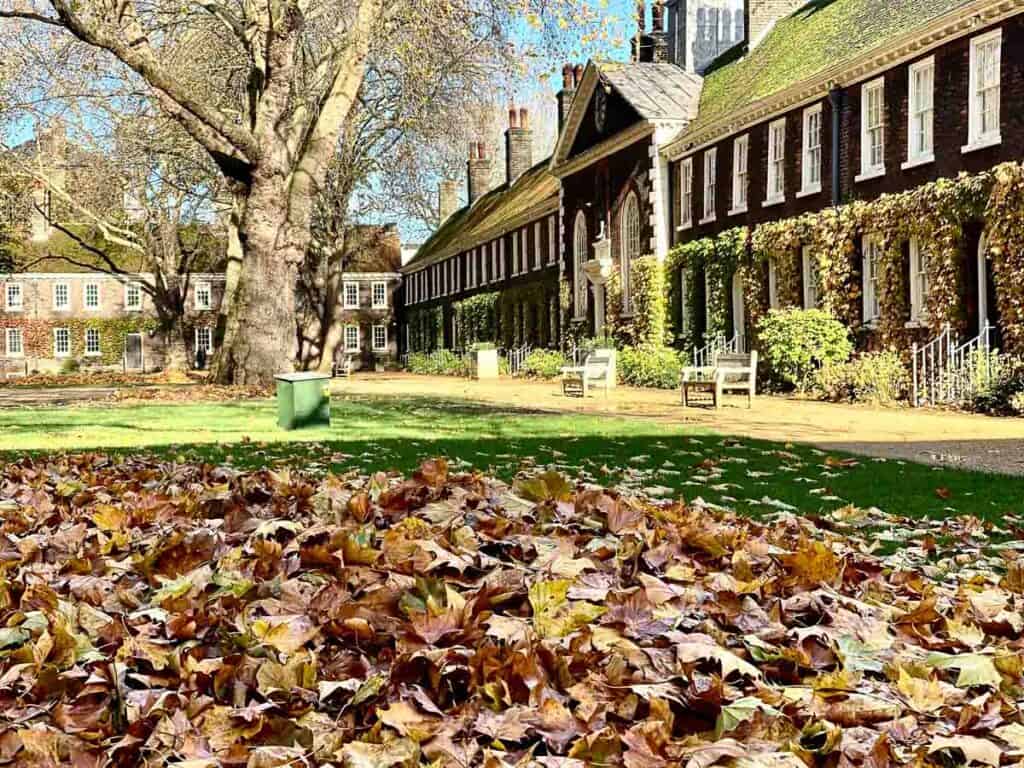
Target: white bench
342,366
732,372
595,371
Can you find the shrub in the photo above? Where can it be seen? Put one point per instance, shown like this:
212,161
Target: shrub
1004,396
796,343
71,365
650,366
440,363
875,377
544,364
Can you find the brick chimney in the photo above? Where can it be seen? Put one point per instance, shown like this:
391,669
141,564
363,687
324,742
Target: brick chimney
569,84
518,144
447,199
760,15
659,37
480,166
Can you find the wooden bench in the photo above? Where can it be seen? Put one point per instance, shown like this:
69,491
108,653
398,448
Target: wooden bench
342,366
732,372
596,370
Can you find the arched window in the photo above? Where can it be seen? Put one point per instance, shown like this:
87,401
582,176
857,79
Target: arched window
580,256
629,227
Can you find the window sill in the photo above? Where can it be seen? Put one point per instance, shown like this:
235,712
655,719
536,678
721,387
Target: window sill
14,356
133,309
809,191
982,142
769,202
204,309
870,325
385,306
707,220
94,354
62,309
347,306
919,324
914,162
737,211
684,227
870,173
14,309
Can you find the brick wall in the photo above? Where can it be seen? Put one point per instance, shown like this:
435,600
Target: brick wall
950,134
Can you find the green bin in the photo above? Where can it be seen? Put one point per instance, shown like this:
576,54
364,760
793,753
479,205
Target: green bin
303,400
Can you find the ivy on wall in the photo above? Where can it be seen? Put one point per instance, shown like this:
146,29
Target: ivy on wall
426,329
475,319
646,324
38,336
1005,216
524,315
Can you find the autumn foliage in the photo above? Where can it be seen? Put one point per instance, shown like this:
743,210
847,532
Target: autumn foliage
166,614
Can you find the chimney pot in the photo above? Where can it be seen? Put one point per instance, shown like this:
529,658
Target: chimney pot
524,118
512,117
567,76
577,74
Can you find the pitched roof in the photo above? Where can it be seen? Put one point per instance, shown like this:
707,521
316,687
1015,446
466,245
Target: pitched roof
489,217
656,91
819,36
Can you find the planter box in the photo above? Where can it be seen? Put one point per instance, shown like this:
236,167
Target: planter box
485,364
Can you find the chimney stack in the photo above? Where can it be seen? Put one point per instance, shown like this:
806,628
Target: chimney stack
571,77
659,37
447,199
518,144
759,16
480,167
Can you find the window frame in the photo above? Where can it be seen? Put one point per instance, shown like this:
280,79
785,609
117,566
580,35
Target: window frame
630,208
56,351
209,296
872,305
552,241
710,185
85,296
811,270
373,338
99,342
686,193
10,333
346,285
581,254
915,156
868,169
808,185
538,238
740,174
976,139
66,307
383,286
8,307
350,327
133,285
206,331
920,285
775,185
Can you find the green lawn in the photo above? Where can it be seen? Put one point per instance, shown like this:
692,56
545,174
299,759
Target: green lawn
639,454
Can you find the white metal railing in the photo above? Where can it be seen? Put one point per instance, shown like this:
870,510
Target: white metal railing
946,371
516,357
705,357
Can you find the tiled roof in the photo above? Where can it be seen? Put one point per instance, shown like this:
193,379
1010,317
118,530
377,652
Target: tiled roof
814,38
656,91
488,218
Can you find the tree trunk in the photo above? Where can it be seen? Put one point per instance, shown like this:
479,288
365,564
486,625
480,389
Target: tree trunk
176,354
331,330
259,335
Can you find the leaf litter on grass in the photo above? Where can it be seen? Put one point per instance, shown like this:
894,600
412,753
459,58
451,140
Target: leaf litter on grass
167,614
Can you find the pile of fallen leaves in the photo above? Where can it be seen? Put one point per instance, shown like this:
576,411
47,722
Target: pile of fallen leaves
192,393
94,379
166,614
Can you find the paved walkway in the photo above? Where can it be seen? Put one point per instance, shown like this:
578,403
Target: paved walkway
20,397
930,436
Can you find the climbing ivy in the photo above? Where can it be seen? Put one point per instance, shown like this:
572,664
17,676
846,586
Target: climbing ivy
426,329
38,336
475,319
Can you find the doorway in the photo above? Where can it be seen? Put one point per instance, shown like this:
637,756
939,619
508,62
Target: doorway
133,352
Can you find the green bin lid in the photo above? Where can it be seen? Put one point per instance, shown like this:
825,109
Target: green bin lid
303,376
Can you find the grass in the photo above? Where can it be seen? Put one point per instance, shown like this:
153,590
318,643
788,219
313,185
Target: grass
370,433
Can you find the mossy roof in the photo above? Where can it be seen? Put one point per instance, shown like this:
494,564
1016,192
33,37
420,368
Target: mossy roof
814,38
490,216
